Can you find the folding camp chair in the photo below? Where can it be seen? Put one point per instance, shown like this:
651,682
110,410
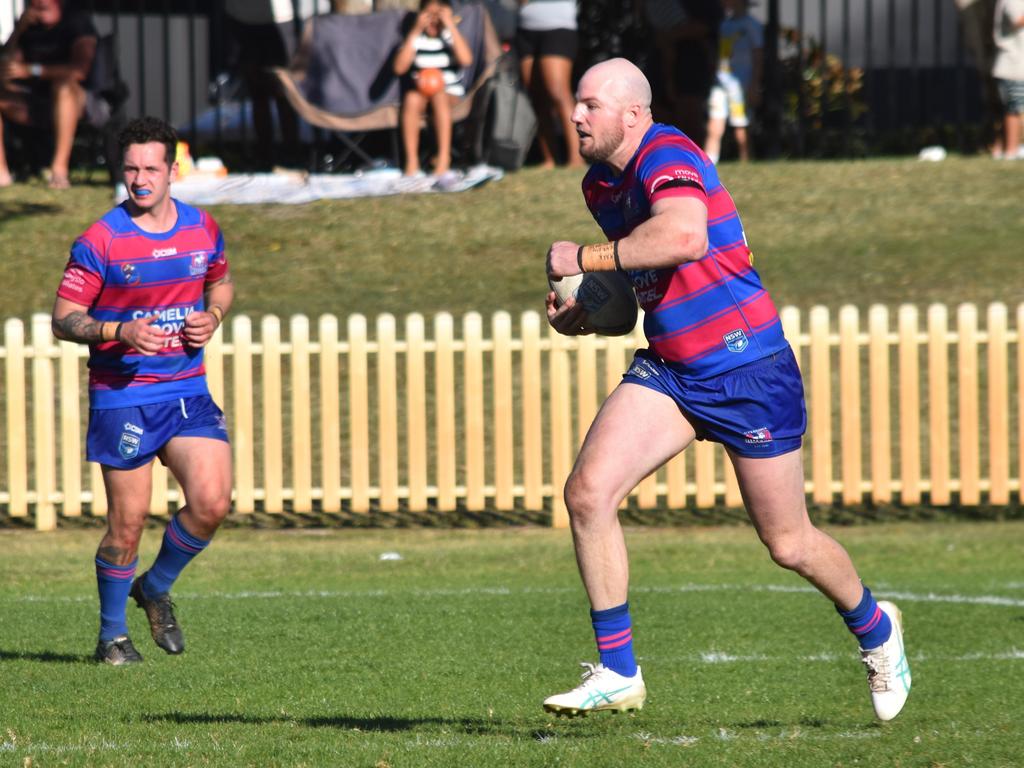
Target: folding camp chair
341,79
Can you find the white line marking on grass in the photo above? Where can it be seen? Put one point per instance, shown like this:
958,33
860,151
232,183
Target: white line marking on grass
716,657
724,734
910,597
720,657
32,748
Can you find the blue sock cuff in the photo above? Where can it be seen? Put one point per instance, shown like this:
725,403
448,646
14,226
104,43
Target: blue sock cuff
619,611
183,538
868,622
113,572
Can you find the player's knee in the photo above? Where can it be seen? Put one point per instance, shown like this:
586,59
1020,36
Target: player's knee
788,551
583,496
211,508
125,536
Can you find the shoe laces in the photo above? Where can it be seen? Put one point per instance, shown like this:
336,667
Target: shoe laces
879,673
591,674
165,610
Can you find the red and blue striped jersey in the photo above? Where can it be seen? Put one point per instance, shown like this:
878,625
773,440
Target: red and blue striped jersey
705,316
121,273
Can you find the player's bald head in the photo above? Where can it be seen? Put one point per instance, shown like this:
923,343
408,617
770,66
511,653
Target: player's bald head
620,81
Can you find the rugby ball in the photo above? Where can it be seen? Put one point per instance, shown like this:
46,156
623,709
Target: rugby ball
607,297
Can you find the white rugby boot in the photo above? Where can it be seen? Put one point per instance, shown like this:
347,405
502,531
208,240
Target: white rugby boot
601,689
888,668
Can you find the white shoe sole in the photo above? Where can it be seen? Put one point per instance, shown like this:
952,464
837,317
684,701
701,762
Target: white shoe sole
632,703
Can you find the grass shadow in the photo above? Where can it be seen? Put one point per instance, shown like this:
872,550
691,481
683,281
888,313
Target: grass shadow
44,656
476,726
380,723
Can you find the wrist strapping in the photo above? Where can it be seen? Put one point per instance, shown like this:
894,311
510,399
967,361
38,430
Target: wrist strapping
603,257
110,331
217,312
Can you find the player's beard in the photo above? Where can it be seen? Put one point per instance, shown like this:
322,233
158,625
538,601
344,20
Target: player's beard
604,148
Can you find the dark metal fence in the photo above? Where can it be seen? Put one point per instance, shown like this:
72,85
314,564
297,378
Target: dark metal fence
842,78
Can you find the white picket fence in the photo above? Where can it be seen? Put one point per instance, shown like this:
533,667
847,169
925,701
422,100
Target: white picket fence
899,412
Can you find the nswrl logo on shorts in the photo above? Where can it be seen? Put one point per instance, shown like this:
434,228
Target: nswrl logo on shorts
131,441
643,369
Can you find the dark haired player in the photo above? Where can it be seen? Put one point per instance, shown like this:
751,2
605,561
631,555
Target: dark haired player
718,368
146,287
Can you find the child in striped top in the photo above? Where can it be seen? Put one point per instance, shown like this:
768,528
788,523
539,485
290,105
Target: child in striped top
432,42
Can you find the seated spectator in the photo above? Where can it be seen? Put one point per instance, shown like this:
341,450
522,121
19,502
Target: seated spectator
433,42
547,43
42,68
738,87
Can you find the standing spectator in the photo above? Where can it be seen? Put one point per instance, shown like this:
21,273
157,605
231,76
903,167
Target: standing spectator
976,19
146,287
1008,70
265,33
738,87
433,42
547,42
42,67
685,35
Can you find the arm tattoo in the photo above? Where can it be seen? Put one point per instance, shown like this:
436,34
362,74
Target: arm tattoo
78,326
226,280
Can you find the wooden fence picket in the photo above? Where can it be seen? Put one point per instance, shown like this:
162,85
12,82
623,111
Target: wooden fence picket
473,410
330,415
359,413
532,385
243,424
301,428
416,410
820,402
850,405
503,413
17,423
70,429
880,404
938,405
444,406
910,405
967,391
998,406
387,413
45,423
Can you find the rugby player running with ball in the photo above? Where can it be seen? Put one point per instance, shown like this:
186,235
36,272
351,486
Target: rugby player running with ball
718,367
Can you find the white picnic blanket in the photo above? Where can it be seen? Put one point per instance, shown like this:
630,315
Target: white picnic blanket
295,187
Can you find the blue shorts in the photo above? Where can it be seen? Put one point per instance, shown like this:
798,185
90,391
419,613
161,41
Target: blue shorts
756,410
127,438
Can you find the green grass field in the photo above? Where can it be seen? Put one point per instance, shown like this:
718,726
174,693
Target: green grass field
306,649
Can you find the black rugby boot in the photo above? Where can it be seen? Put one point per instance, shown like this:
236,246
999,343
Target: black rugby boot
160,612
117,652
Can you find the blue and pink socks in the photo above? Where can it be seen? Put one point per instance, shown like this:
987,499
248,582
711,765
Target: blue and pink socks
114,582
614,633
869,623
177,550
